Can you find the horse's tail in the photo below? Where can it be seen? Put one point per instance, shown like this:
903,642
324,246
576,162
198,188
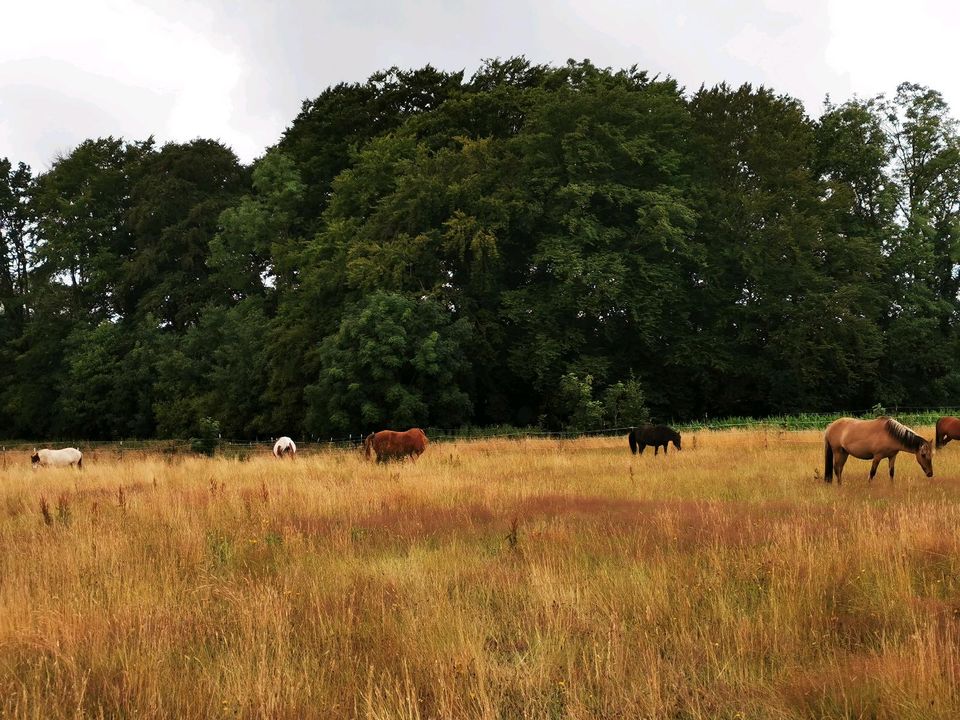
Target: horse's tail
827,462
80,463
633,441
367,445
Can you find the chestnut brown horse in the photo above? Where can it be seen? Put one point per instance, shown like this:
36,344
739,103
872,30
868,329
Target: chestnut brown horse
390,445
872,440
948,428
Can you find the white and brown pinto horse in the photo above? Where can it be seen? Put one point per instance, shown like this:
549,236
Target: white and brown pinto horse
284,446
872,440
66,457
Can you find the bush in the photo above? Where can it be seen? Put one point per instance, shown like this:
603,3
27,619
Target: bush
208,437
576,404
624,404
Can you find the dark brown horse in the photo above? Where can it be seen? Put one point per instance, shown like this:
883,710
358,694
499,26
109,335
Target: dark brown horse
948,428
391,445
871,440
656,435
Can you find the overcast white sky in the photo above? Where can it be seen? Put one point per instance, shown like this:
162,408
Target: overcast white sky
237,70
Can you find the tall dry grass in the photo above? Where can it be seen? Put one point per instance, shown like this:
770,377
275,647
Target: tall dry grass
493,579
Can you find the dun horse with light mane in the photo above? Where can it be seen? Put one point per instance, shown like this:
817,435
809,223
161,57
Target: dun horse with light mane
872,440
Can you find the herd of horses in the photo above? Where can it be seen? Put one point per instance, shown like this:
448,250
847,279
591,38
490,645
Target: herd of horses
877,440
880,439
385,445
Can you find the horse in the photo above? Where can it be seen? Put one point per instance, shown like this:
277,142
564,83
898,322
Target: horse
284,446
390,444
655,435
871,440
948,428
66,457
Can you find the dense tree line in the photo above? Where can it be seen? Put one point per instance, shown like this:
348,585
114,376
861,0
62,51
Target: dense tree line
569,246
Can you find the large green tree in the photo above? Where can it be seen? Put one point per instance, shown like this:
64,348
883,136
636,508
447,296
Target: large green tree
174,211
394,361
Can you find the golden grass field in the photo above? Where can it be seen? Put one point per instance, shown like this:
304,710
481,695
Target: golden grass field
491,579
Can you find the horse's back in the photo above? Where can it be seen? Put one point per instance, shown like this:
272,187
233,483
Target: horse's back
645,434
861,438
950,424
63,457
841,426
394,442
283,446
657,434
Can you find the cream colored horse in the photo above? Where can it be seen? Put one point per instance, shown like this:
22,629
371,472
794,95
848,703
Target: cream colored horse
872,440
65,457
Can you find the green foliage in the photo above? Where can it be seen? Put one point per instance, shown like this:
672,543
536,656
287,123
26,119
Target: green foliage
572,243
624,404
394,362
107,389
576,405
208,437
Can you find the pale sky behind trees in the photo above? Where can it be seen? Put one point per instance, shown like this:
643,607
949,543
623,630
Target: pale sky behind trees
237,70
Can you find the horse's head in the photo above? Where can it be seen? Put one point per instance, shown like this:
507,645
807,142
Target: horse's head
925,458
35,458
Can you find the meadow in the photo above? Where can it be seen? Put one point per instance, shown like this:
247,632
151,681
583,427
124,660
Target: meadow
491,579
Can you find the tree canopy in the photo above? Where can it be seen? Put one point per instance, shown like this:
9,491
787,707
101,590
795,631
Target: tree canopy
567,246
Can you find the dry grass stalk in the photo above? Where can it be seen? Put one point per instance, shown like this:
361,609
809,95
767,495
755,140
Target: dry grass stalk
722,581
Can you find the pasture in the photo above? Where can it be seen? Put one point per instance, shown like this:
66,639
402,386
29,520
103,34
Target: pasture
491,579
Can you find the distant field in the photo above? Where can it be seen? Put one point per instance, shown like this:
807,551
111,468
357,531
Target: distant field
492,579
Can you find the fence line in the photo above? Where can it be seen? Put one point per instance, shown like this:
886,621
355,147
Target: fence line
808,421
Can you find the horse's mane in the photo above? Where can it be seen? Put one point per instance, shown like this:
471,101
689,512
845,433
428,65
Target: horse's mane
904,434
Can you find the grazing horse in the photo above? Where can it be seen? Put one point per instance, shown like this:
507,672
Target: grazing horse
655,435
284,446
948,428
66,457
389,444
871,440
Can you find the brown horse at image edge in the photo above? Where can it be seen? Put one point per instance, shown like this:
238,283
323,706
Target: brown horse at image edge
390,444
948,428
872,440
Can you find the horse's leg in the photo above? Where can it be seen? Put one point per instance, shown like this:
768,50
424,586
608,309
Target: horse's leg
665,446
891,460
840,458
873,467
642,448
656,449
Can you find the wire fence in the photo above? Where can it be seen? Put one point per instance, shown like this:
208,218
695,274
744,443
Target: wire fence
243,447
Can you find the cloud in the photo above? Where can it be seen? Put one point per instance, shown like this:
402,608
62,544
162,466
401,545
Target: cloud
238,70
78,70
878,44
